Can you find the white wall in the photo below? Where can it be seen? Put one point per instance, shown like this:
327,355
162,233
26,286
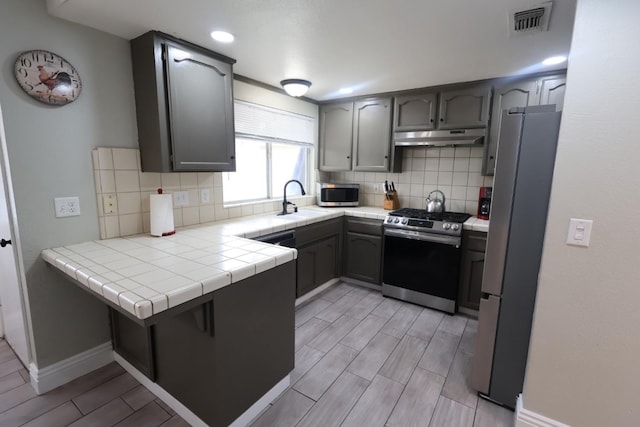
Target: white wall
50,156
583,366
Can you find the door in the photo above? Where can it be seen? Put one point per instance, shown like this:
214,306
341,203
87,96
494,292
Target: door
10,286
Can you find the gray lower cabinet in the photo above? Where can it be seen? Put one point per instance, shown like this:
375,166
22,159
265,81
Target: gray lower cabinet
471,269
363,250
220,353
356,136
319,248
522,93
464,108
184,105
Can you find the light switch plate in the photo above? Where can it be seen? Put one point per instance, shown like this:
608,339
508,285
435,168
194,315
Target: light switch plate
579,232
66,206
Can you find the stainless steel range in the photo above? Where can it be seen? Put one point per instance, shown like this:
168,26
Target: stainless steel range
422,257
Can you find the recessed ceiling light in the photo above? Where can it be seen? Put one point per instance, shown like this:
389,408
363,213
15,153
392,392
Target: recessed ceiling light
222,36
554,60
345,90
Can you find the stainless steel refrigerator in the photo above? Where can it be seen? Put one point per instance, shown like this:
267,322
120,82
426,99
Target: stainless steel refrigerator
522,183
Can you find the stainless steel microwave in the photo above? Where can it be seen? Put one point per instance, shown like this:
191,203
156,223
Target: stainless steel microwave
338,195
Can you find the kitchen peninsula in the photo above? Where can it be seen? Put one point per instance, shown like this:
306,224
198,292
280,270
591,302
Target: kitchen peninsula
188,310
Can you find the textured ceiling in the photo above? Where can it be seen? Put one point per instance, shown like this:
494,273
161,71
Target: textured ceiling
370,45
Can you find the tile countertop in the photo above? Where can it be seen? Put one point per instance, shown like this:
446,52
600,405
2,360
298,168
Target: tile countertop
476,224
145,275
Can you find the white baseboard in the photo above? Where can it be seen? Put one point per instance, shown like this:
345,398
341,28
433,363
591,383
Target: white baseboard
190,417
52,376
306,297
527,418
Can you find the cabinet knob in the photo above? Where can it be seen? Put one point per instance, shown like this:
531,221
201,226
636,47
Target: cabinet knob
348,157
232,157
431,120
386,157
491,157
442,119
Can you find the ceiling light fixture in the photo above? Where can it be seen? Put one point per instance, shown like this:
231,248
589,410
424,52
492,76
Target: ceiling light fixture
345,91
296,87
222,36
554,60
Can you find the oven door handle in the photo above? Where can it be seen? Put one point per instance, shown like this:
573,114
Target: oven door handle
416,235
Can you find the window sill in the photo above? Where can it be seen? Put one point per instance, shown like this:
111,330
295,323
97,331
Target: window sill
302,200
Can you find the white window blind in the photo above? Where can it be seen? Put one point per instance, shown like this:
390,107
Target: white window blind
270,123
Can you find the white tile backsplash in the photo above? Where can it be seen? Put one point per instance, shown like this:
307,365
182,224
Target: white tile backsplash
453,170
117,172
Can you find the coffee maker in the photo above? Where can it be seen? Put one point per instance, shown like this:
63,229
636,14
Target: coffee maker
484,202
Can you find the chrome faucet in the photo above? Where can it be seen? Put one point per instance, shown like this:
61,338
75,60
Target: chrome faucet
285,202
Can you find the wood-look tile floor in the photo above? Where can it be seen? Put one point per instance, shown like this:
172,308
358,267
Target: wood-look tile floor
366,360
108,396
361,360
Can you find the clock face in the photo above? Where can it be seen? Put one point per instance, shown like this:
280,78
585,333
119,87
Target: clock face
47,77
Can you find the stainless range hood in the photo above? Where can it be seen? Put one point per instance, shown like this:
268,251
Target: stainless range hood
439,138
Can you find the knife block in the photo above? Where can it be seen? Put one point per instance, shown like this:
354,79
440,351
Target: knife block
393,203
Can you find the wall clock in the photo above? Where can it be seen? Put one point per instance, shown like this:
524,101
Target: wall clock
47,77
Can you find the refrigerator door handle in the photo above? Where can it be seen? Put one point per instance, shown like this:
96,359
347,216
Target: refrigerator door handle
485,343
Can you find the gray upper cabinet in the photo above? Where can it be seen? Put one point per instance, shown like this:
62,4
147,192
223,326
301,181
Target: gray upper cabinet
415,112
466,108
512,95
336,133
184,105
372,135
552,91
523,93
355,135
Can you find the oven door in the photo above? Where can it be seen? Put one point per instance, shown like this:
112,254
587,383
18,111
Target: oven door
422,268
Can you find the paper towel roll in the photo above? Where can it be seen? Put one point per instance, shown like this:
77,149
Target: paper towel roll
161,215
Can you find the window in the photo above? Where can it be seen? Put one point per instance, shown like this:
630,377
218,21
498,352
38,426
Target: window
272,147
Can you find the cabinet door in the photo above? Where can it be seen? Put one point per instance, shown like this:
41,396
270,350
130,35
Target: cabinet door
519,94
305,272
363,257
415,112
336,126
372,135
472,265
552,91
468,108
317,264
200,111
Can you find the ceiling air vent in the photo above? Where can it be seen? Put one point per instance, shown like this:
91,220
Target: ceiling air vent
531,20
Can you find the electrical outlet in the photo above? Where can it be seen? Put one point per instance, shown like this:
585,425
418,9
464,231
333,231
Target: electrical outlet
205,196
181,198
109,204
66,206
